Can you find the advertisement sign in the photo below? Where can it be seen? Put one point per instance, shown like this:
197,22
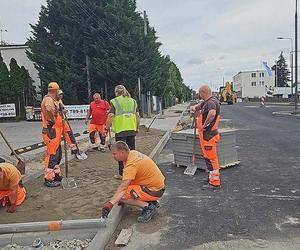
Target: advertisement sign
77,111
7,110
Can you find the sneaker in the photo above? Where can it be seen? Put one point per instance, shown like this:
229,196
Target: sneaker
147,213
155,203
118,177
52,184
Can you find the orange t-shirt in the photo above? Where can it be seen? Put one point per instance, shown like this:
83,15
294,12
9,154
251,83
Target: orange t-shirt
11,176
48,101
143,171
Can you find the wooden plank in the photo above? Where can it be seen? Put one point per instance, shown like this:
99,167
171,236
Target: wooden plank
124,237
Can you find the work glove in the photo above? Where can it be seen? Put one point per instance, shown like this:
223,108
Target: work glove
107,207
51,132
12,208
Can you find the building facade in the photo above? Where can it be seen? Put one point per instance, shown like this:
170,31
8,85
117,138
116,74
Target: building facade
18,52
253,84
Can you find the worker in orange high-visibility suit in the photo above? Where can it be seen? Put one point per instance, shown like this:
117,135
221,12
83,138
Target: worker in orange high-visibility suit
208,115
12,191
52,133
70,138
97,128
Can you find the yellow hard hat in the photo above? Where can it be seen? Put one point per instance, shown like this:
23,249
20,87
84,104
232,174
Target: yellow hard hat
53,86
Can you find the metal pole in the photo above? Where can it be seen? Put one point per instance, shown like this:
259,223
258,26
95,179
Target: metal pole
276,78
296,56
105,86
87,61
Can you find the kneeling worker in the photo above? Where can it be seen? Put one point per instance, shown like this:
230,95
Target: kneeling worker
12,191
142,184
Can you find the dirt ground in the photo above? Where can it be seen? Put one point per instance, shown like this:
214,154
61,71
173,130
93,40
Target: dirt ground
94,178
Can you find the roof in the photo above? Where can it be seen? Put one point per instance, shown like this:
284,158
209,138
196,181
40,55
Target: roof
13,46
251,71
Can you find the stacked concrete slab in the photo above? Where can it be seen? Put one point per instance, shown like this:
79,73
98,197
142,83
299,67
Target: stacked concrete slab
183,148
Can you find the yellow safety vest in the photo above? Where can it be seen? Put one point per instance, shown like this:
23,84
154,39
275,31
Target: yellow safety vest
125,114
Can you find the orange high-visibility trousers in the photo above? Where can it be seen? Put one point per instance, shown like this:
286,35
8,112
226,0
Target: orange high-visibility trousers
53,156
96,130
208,143
21,195
70,138
138,193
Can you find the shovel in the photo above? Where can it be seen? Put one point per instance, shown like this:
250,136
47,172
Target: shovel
80,155
190,170
109,139
21,163
67,183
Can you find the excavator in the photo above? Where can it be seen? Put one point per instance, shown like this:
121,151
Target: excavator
226,94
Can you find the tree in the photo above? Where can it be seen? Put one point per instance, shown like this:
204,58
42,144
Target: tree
4,81
282,72
111,34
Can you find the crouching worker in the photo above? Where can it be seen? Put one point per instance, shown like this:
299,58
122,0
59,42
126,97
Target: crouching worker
12,192
142,184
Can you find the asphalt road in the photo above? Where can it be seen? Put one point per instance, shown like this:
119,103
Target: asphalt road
258,205
21,134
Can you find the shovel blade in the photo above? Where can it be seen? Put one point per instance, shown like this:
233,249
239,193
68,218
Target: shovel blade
81,156
21,166
68,183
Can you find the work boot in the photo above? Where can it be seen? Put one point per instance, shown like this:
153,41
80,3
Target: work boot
118,177
147,213
52,183
102,148
214,179
155,203
74,151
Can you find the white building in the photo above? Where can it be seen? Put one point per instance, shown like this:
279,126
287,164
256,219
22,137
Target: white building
19,53
253,84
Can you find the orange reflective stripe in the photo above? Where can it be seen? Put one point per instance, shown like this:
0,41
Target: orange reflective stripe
54,226
49,174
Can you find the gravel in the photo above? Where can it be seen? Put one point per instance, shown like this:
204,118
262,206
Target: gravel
59,245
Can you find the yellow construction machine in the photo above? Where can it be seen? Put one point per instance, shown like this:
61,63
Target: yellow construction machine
226,94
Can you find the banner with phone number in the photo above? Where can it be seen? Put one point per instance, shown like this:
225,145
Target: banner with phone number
77,111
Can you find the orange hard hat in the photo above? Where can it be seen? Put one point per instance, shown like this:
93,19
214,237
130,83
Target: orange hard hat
53,86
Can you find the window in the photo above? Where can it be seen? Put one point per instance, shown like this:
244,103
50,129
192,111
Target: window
261,74
262,83
253,75
253,84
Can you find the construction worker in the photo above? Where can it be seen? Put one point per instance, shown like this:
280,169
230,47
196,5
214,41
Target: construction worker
52,133
142,184
124,119
12,191
70,138
208,119
98,110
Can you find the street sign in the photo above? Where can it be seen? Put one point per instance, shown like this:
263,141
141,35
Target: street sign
7,110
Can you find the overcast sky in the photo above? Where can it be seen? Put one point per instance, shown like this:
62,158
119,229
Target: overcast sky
207,39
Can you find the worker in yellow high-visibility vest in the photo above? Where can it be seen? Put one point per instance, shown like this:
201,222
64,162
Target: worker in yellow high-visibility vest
123,117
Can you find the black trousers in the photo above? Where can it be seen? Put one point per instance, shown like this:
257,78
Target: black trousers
130,141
